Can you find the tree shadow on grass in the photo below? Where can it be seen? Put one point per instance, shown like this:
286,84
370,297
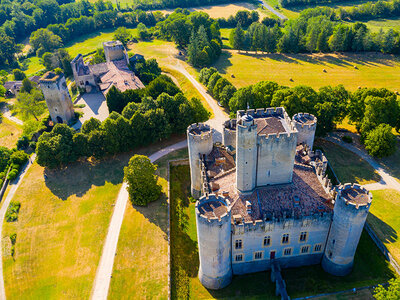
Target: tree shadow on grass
156,213
223,62
386,233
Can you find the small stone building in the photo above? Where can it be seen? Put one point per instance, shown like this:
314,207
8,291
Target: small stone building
58,99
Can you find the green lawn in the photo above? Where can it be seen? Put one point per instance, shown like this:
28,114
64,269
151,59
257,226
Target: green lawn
370,265
384,218
90,42
32,65
142,254
62,225
373,70
9,133
348,166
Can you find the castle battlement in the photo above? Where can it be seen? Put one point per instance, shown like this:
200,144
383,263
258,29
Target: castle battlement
199,132
277,137
305,120
213,209
354,195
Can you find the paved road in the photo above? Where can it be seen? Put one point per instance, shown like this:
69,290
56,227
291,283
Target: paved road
104,271
4,205
271,9
7,114
387,181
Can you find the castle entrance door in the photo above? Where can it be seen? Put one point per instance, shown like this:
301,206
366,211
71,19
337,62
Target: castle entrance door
59,120
272,255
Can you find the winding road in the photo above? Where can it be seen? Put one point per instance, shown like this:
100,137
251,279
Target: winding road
387,181
104,271
7,114
271,9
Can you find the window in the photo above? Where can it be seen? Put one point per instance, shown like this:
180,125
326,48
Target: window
305,249
317,248
267,241
258,255
239,257
303,236
285,238
287,251
238,244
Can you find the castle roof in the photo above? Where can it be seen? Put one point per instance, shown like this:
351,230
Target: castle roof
355,195
269,125
50,76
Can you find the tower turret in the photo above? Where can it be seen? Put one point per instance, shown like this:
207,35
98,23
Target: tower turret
58,99
306,124
115,50
229,136
246,153
200,143
213,219
349,215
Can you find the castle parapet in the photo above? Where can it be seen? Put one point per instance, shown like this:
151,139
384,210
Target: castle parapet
306,125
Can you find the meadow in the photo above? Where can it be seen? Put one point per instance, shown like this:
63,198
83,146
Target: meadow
9,133
62,225
370,266
142,254
351,70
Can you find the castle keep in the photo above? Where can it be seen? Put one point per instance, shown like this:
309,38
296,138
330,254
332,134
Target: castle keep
264,199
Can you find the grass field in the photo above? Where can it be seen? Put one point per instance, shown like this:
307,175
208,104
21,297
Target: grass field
348,166
373,70
384,218
370,266
143,245
224,10
32,65
9,133
61,227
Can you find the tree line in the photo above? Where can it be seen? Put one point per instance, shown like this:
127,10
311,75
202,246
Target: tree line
375,112
314,31
151,115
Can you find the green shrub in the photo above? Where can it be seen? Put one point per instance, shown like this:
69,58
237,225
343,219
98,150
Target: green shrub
13,238
381,142
19,157
13,174
347,139
12,211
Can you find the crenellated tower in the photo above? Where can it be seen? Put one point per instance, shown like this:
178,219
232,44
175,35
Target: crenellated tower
306,124
200,143
349,215
213,218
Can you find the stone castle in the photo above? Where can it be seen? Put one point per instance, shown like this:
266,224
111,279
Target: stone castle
58,99
264,199
102,76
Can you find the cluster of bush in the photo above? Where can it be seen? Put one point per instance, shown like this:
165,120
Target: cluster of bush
11,161
150,115
244,17
12,211
146,70
375,112
315,30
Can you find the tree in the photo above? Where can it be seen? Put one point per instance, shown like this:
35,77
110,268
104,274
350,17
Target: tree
391,293
43,40
30,104
143,32
27,86
114,100
237,37
142,181
90,125
98,57
122,35
381,142
18,74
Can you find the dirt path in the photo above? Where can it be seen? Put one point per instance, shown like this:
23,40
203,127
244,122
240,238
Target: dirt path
271,9
387,181
7,114
104,271
4,205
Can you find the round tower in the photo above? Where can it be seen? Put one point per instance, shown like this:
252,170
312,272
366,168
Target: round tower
229,136
349,215
246,154
213,219
306,124
200,143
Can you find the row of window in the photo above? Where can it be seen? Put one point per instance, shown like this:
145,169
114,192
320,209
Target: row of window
286,252
267,240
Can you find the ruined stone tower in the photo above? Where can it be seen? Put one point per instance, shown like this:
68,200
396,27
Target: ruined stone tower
306,124
349,215
114,51
58,99
200,143
213,218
